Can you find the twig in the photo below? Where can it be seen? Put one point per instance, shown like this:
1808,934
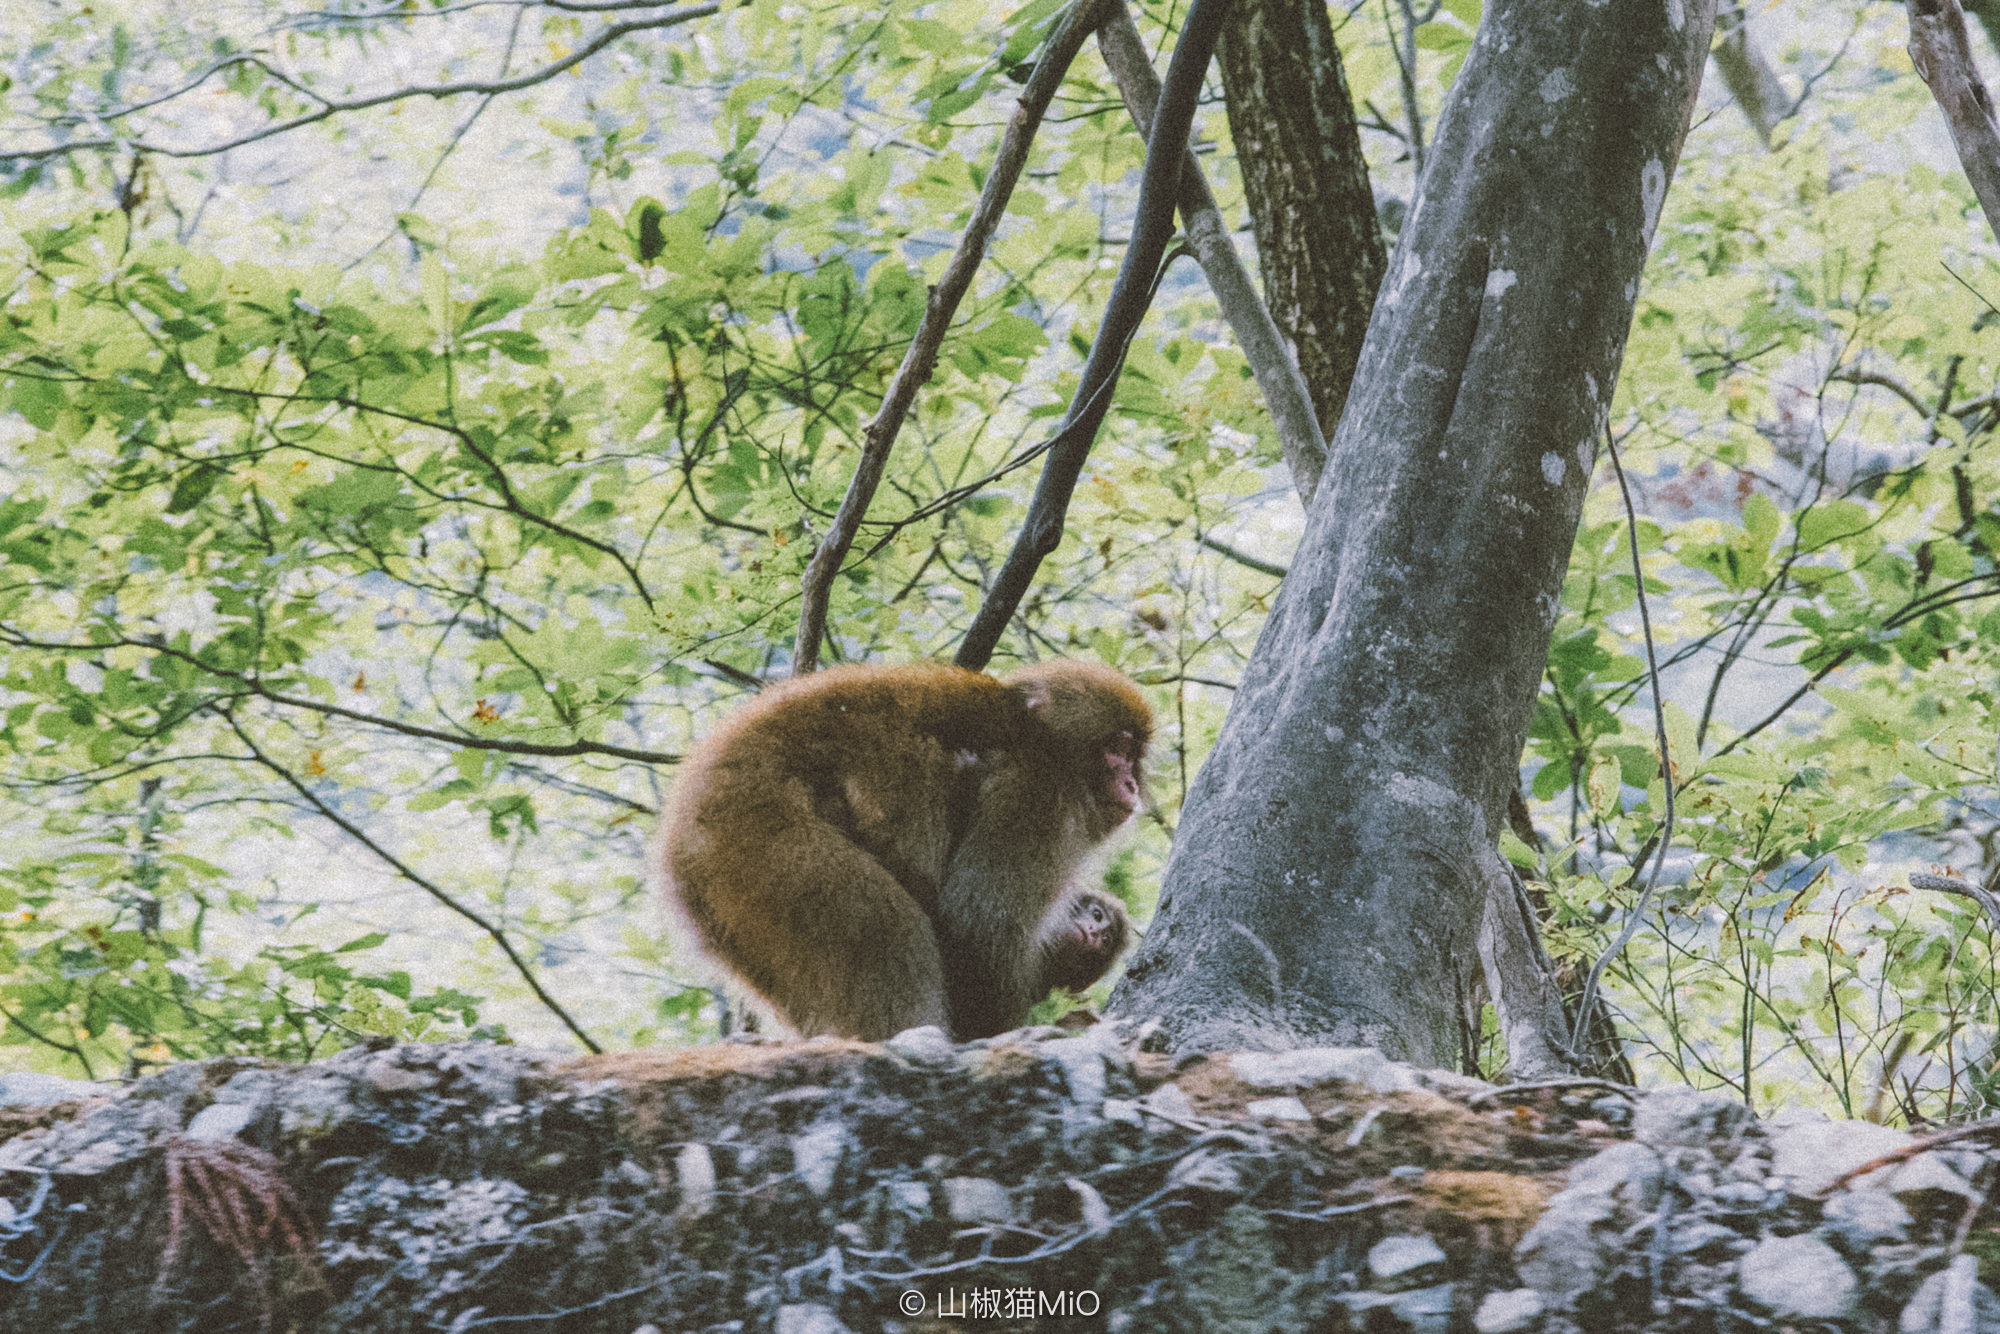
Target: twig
1989,1126
410,874
16,1021
940,304
1243,558
1883,380
328,109
252,686
1567,1082
1638,914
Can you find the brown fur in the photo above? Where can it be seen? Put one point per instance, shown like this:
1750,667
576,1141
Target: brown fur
877,848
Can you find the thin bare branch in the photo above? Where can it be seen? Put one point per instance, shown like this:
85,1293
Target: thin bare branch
328,108
253,686
403,869
1243,558
1855,375
940,305
1153,226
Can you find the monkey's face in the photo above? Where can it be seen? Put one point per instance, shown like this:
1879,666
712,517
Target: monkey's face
1098,720
1119,794
1088,942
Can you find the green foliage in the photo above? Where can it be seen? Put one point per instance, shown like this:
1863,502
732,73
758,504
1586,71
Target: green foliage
1806,404
395,592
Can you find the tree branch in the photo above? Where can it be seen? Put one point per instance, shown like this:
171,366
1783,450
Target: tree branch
253,686
1243,558
940,304
328,108
1130,295
1278,375
1752,84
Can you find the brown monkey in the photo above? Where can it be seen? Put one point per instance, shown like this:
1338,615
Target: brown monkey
876,848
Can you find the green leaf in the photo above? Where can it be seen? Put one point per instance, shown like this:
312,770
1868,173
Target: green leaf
193,488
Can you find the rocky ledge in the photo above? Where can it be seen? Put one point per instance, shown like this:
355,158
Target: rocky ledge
1039,1180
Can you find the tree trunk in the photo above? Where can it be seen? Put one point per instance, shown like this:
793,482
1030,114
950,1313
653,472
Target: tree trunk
1331,873
1319,247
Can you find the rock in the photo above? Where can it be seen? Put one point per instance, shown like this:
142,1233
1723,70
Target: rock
1630,1171
1096,1213
27,1089
1613,1109
1811,1155
1453,1085
1798,1276
1682,1117
1317,1065
1698,1234
1278,1109
1562,1256
1169,1100
1736,1195
695,1169
807,1318
912,1197
1205,1169
816,1155
1952,1301
1865,1217
1122,1109
1920,1176
1083,1066
1401,1263
1424,1310
977,1200
1358,1304
222,1120
926,1046
1508,1312
387,1073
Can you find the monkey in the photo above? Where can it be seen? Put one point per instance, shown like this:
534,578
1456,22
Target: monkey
1082,937
873,849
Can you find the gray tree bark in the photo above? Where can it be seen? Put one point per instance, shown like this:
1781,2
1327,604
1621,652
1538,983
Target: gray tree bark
1332,870
1319,247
